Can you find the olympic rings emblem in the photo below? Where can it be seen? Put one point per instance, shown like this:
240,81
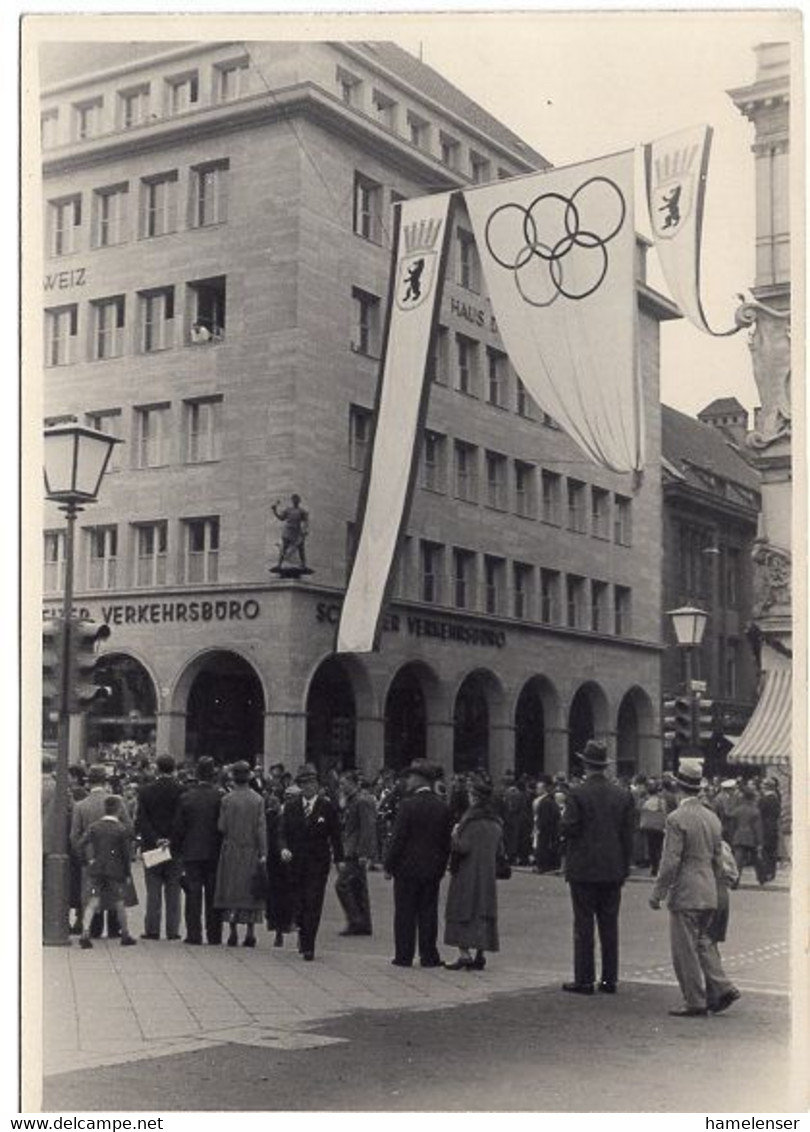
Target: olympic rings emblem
539,241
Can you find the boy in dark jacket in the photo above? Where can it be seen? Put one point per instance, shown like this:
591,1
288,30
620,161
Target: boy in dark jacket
108,870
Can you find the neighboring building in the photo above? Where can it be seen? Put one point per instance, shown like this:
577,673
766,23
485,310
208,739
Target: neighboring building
218,227
727,415
711,507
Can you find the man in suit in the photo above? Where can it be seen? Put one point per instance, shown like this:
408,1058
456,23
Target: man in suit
310,840
157,807
85,813
416,858
195,841
691,862
597,825
359,847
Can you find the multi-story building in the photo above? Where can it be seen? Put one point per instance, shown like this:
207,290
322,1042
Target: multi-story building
218,227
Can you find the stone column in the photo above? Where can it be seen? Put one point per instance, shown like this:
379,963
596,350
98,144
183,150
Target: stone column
439,745
369,745
285,737
556,750
501,750
170,737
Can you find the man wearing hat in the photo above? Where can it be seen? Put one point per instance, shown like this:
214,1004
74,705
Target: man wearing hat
690,864
310,839
597,825
85,813
416,858
196,840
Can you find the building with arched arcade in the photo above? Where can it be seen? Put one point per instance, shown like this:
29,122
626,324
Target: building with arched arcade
247,189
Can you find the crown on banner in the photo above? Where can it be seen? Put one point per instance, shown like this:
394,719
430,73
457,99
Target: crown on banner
421,235
676,163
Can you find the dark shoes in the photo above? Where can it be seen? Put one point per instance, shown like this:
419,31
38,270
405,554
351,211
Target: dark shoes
689,1011
249,941
607,988
460,964
172,937
724,1001
578,988
355,931
128,941
195,942
401,963
431,963
85,943
480,961
308,955
278,939
232,940
149,935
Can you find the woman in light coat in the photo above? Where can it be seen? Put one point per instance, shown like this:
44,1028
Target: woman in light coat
239,894
471,912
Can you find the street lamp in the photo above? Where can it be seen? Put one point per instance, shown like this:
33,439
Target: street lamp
689,624
75,459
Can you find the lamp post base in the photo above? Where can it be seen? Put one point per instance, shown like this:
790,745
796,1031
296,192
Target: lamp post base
55,900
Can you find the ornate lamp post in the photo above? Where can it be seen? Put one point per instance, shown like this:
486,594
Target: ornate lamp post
689,624
75,459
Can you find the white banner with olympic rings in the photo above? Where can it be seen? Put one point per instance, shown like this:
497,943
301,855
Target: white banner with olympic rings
557,252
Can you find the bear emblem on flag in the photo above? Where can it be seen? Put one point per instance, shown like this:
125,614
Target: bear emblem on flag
416,270
672,192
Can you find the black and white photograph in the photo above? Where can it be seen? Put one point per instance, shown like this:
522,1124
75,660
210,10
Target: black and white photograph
412,475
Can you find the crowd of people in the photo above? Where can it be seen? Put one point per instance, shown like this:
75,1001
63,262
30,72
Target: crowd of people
232,847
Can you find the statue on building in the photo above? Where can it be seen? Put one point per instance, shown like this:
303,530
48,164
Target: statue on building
292,561
771,577
769,343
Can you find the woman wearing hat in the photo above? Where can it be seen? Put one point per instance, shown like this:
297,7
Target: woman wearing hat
471,912
242,857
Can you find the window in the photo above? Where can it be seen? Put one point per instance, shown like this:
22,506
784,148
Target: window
694,567
111,209
480,168
49,128
523,402
522,596
151,436
209,194
622,611
201,543
600,512
359,437
203,427
231,80
151,542
61,335
418,131
496,480
576,506
108,327
599,607
575,601
552,492
732,656
401,572
525,490
53,578
65,218
102,558
438,363
430,571
466,471
449,151
732,576
433,461
133,107
466,365
496,377
158,205
182,93
463,578
157,319
87,119
494,569
468,268
366,325
109,421
367,209
549,597
385,109
207,310
622,520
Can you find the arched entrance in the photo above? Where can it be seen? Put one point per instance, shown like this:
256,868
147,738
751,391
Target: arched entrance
637,747
225,710
537,710
587,719
627,739
471,723
331,718
129,711
405,719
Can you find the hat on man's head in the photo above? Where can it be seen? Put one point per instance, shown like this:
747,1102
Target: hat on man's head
206,768
241,771
306,772
595,754
427,770
96,774
690,774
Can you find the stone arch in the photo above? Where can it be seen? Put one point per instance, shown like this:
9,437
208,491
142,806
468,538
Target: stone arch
479,719
129,711
537,714
222,698
637,744
411,702
339,690
588,718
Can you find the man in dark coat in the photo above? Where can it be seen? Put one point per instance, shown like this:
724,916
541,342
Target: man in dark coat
310,841
157,807
598,828
359,847
196,841
416,857
84,814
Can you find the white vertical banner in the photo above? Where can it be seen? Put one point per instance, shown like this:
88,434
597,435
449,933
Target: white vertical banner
676,169
414,295
558,256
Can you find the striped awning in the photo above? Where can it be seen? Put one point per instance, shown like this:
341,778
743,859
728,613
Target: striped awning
766,739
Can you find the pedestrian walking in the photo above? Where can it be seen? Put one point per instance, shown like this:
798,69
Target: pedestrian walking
417,858
471,911
108,868
747,833
157,807
359,829
278,911
598,827
241,887
196,843
691,862
770,811
310,842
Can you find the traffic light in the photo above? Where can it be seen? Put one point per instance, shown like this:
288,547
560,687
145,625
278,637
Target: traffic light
84,637
669,723
684,718
706,719
51,677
